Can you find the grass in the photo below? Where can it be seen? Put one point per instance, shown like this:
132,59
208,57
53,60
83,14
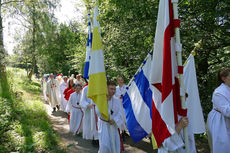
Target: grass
24,123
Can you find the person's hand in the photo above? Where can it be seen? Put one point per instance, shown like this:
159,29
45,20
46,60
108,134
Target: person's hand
111,122
183,122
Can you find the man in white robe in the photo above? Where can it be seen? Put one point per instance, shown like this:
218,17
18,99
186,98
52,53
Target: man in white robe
108,137
52,92
74,108
90,129
62,88
120,90
175,143
219,118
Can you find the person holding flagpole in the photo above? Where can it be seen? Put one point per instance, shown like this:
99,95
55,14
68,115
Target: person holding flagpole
219,118
115,121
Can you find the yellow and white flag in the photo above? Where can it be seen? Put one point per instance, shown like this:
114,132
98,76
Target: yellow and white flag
97,88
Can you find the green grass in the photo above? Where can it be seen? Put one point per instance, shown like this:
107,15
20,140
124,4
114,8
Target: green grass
24,123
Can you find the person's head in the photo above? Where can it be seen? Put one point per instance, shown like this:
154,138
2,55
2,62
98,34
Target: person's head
120,81
70,83
77,87
65,79
51,76
111,88
224,76
78,77
72,76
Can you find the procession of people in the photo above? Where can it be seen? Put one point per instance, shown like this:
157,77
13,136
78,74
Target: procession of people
70,96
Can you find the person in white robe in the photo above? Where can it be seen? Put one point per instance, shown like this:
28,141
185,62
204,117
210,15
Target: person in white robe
219,118
62,87
175,143
52,92
107,136
74,108
90,128
120,91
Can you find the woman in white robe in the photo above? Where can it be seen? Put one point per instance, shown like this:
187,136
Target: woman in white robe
219,118
76,113
90,129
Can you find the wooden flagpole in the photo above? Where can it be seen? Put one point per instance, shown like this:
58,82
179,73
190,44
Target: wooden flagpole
179,62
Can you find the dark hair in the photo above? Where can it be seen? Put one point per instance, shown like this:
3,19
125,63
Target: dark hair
111,83
78,85
222,73
69,83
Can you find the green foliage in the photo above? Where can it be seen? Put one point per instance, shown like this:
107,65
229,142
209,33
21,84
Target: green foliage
128,29
24,123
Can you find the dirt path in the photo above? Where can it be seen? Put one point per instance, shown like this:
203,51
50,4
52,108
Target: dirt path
75,144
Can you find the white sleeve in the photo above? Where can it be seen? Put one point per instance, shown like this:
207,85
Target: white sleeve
221,104
47,88
69,105
84,99
172,143
117,116
117,94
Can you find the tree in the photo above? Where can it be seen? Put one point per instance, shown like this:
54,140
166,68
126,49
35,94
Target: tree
37,16
3,77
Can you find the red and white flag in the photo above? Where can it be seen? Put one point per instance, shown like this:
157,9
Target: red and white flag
164,76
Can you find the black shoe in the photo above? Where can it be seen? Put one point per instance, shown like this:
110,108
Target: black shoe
54,109
57,107
95,143
125,133
123,136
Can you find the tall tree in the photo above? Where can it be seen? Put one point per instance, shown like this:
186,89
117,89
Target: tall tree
37,16
3,77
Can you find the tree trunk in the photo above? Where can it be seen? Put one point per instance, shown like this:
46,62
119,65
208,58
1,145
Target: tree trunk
33,45
3,77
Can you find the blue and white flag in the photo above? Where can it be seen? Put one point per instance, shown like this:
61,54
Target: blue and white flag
88,50
137,103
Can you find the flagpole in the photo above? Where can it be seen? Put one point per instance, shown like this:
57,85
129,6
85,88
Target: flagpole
179,61
139,69
111,126
90,46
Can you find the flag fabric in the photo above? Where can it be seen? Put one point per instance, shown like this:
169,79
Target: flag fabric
166,91
195,114
97,88
88,50
137,103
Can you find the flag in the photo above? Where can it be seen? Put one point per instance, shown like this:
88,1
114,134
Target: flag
164,76
88,50
97,89
137,103
195,114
